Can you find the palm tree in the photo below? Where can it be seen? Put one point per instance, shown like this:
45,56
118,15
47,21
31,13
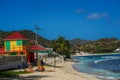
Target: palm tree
61,46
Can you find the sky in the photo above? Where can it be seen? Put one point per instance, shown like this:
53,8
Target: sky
85,19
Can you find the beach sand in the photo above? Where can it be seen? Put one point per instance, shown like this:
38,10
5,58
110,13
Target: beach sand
62,71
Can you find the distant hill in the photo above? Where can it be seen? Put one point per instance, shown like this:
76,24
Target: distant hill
104,45
29,34
78,42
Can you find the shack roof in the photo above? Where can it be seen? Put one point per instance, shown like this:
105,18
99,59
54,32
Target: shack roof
16,36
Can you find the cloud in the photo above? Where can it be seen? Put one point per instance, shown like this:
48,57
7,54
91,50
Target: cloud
79,10
97,15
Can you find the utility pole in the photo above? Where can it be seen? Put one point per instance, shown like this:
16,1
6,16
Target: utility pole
37,29
36,42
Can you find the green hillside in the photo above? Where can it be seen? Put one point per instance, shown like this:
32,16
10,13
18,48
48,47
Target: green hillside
104,45
29,34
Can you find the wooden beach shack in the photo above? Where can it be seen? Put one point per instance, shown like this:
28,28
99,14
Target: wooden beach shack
18,44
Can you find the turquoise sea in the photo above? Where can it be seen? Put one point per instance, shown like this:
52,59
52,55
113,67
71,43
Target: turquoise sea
105,67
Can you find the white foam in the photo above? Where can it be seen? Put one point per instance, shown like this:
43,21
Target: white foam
106,78
101,60
111,57
106,59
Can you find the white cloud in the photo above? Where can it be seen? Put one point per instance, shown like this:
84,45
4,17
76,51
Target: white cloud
97,15
79,10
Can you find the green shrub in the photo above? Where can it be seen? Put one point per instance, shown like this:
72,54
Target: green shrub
8,74
12,73
67,56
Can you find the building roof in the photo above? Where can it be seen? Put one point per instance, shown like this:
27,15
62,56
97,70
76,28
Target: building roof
16,36
37,48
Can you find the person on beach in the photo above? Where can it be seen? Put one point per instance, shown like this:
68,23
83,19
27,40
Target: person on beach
54,62
41,61
30,67
40,65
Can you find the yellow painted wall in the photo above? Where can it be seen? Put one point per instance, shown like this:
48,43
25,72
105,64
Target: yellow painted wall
13,43
14,46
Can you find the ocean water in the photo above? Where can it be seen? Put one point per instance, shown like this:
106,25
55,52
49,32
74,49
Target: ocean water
105,67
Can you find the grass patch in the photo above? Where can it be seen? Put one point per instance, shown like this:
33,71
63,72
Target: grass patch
12,73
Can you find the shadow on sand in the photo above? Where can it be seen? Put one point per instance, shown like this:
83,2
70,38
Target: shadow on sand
25,78
54,66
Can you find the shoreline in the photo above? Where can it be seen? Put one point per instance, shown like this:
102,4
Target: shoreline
63,71
84,76
101,77
93,54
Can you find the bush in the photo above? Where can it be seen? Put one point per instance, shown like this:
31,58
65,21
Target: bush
8,74
12,73
67,56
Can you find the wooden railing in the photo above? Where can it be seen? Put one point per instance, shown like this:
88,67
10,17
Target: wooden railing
6,59
12,62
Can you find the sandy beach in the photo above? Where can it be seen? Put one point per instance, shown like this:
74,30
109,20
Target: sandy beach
63,71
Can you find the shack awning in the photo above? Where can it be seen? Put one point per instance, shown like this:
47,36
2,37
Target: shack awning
37,48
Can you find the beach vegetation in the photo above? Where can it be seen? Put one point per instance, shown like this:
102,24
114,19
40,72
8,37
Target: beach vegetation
12,73
61,46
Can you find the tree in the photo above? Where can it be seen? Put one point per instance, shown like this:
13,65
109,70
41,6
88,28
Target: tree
61,46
